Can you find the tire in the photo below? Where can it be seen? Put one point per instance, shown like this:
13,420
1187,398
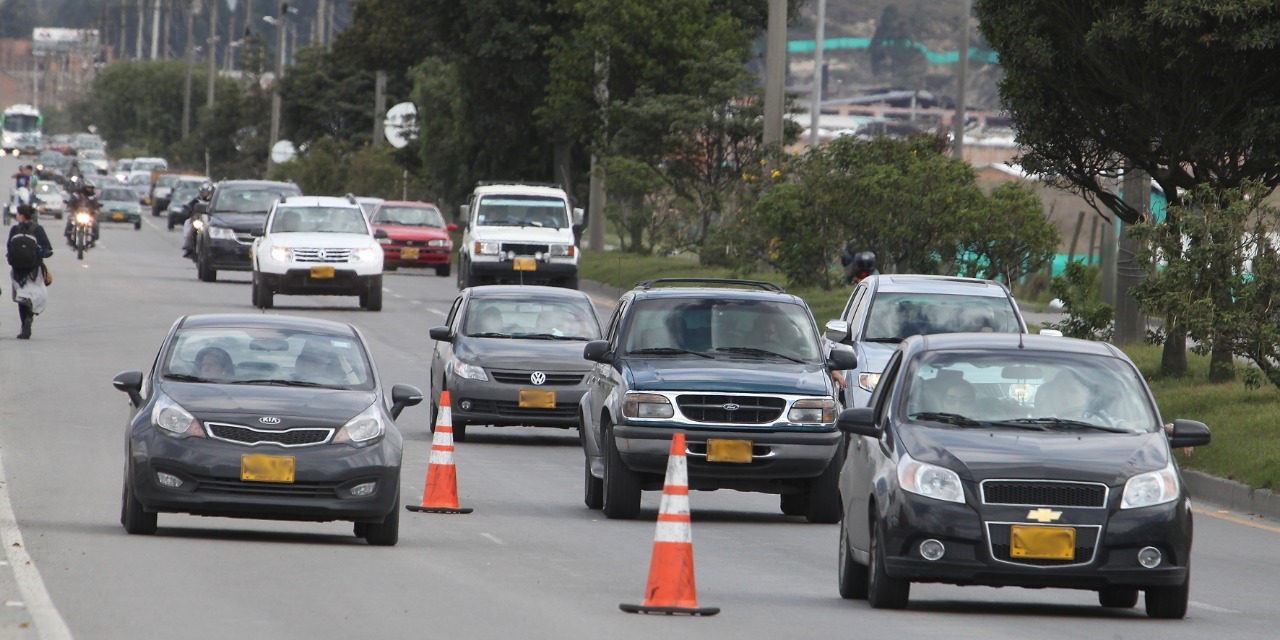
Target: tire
133,516
459,433
444,270
1118,597
169,225
1169,603
824,493
263,296
387,532
462,274
621,500
360,529
570,283
204,272
884,592
592,487
852,578
372,300
794,504
433,413
79,253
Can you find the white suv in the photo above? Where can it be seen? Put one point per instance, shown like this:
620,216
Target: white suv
519,234
314,245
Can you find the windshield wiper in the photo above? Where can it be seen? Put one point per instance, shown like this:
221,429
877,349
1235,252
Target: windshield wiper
182,377
949,418
668,351
758,352
547,336
280,381
489,334
1066,423
893,340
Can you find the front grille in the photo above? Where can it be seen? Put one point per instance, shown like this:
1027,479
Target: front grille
1044,493
297,437
522,377
730,409
245,237
521,249
322,255
208,484
999,534
514,410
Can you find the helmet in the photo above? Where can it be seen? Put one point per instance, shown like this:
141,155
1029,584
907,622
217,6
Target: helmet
87,189
206,191
864,260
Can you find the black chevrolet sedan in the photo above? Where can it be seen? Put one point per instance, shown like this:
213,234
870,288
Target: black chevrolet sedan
267,417
1015,460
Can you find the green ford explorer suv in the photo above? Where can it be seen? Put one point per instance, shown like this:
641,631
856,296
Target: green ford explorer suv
735,365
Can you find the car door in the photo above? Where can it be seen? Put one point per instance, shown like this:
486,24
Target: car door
442,354
855,309
868,459
602,380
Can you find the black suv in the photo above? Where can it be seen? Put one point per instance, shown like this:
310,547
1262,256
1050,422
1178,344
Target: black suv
235,216
737,366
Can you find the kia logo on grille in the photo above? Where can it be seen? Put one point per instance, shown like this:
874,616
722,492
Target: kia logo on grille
538,377
730,407
269,420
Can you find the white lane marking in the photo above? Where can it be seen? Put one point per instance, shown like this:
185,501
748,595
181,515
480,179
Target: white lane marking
1209,607
49,623
14,603
415,302
438,312
494,539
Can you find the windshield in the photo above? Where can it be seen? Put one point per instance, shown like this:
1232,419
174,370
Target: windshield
21,123
117,195
183,195
412,216
737,328
136,179
897,316
1041,390
249,200
148,165
48,189
494,317
235,355
523,211
318,220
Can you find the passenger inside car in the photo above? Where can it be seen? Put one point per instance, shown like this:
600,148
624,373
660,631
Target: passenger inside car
318,365
487,319
290,221
213,363
1064,396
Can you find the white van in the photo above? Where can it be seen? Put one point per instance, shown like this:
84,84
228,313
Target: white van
519,234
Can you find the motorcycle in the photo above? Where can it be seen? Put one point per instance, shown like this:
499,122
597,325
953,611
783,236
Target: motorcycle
81,232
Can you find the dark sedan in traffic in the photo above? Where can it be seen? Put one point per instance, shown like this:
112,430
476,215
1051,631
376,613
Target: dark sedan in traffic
266,417
1015,460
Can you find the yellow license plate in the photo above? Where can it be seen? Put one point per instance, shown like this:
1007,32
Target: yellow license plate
258,467
117,216
409,254
1042,543
322,273
729,451
525,264
534,399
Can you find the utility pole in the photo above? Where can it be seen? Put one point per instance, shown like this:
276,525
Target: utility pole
321,10
379,107
192,7
281,23
213,51
962,72
142,21
815,111
155,29
1131,325
775,61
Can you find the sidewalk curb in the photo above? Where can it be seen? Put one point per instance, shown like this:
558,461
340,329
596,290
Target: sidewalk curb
1232,494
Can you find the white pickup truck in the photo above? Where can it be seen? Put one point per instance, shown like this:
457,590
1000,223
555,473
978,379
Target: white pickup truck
518,233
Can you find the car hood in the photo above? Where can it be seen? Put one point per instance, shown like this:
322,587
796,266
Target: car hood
727,375
525,355
523,235
1089,456
320,240
264,400
239,221
874,356
409,232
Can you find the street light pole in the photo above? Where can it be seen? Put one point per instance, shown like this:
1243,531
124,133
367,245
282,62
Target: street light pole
280,23
957,148
192,7
775,62
213,50
815,111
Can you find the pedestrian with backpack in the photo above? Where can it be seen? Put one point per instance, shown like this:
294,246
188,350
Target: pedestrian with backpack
27,248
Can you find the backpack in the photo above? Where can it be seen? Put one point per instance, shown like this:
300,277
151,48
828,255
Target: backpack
24,252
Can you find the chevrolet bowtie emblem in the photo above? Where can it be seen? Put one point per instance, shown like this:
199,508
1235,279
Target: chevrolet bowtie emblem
1043,515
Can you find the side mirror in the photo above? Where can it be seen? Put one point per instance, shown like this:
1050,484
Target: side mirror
579,218
842,358
440,334
402,396
380,234
130,382
597,351
451,227
1189,433
837,331
859,422
465,212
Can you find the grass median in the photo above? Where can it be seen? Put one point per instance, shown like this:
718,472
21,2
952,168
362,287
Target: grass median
1246,434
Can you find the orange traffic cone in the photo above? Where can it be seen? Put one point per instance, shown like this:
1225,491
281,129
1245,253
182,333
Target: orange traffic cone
441,493
671,588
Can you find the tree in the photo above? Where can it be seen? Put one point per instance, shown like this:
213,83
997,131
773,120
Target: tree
1007,236
18,18
1183,90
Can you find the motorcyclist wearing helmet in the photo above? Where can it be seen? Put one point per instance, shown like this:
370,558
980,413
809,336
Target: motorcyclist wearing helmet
188,227
85,198
857,264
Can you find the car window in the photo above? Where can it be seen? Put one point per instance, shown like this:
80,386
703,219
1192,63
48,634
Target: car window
568,319
902,315
318,220
121,195
453,314
249,200
523,211
729,327
412,216
268,356
854,301
619,312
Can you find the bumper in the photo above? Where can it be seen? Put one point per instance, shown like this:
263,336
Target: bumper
497,403
777,456
503,272
1106,554
227,255
210,471
345,282
404,256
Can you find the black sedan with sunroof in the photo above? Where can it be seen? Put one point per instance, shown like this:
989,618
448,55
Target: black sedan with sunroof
267,417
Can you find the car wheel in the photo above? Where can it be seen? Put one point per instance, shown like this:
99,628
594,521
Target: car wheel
1118,597
592,487
387,532
133,516
169,225
205,272
853,576
621,500
444,270
824,493
361,529
462,274
794,504
137,225
459,433
884,592
570,283
372,301
1169,602
263,296
433,414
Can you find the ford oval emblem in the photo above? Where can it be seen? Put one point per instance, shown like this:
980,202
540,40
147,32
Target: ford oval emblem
730,407
538,377
269,420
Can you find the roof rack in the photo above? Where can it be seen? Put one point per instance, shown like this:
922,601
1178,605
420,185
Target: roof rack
760,284
490,183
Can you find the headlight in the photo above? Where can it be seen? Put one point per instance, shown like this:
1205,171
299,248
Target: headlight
647,405
929,480
1151,488
363,428
868,381
363,254
469,371
173,420
439,242
83,218
222,233
813,411
486,248
197,224
282,254
562,250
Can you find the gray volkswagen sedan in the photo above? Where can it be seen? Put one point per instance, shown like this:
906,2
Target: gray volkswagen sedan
512,355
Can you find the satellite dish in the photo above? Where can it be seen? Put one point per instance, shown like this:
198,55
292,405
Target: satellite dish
283,152
401,124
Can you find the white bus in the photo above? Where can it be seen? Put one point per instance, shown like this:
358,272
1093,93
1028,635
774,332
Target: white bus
21,130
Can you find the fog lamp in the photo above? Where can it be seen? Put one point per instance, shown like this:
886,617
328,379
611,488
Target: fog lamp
465,405
1150,557
932,549
168,480
364,490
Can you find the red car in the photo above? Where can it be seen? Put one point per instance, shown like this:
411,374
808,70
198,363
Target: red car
417,236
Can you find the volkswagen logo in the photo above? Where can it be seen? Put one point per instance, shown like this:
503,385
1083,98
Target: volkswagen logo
538,377
269,420
730,407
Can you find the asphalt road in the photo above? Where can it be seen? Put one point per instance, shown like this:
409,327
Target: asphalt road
530,562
